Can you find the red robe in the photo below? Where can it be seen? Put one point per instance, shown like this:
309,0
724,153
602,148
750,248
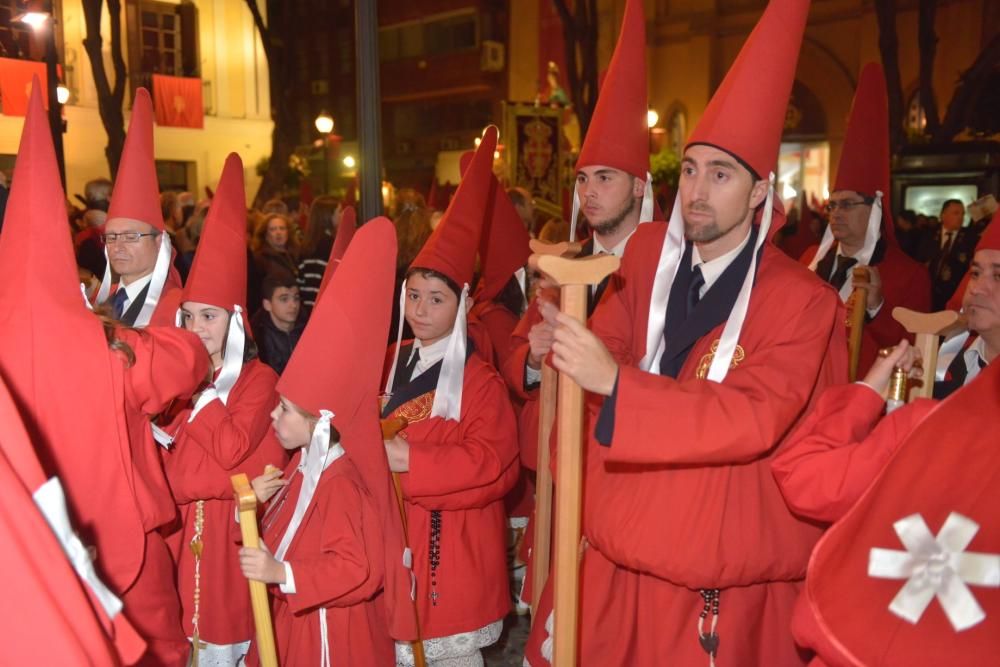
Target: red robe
847,466
462,469
500,325
337,561
50,618
683,499
905,283
222,441
170,363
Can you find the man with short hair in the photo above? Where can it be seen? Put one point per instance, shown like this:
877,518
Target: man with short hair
278,325
138,250
861,232
707,349
950,253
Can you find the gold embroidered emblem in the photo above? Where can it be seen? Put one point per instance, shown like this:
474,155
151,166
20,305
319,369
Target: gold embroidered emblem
706,361
416,410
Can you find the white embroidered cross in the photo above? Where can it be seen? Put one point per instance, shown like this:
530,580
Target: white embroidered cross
937,567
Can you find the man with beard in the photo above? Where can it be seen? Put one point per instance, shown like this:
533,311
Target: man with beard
709,346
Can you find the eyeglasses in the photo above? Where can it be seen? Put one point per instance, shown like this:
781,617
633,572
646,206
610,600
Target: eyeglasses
126,237
844,206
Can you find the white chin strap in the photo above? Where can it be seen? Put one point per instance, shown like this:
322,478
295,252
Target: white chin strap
232,363
448,396
666,270
399,340
160,271
646,209
872,234
315,460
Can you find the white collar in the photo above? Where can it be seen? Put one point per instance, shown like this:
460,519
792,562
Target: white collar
712,269
429,355
972,355
617,251
134,288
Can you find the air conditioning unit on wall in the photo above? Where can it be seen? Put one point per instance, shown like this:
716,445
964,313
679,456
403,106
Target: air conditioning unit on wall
492,56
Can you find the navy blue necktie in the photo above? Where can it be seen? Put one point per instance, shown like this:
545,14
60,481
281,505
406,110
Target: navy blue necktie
694,288
118,302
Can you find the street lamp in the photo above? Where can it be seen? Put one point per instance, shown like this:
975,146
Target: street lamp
652,118
62,94
324,123
350,162
39,18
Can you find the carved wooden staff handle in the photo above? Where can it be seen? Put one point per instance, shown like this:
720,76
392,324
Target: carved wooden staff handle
928,329
574,276
541,549
246,502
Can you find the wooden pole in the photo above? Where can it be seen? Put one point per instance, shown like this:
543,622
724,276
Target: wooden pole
928,328
369,104
541,549
391,427
573,276
856,322
246,501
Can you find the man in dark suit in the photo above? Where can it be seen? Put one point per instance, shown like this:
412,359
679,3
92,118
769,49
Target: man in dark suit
950,253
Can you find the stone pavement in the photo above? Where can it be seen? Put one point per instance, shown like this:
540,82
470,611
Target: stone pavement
509,650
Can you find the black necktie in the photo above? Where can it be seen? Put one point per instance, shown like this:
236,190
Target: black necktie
412,365
948,241
843,265
694,288
118,302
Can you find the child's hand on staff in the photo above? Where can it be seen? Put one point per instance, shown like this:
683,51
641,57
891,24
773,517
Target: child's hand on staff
260,565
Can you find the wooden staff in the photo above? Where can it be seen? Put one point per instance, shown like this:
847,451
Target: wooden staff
547,391
928,329
246,501
574,276
856,321
391,427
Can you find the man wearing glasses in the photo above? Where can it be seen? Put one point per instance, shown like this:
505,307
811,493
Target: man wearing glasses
138,249
861,233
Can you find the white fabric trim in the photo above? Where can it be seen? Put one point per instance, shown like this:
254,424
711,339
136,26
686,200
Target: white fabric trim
51,502
232,364
448,395
864,256
316,459
666,271
949,349
399,341
288,588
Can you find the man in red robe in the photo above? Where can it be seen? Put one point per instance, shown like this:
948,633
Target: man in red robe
861,232
137,244
708,348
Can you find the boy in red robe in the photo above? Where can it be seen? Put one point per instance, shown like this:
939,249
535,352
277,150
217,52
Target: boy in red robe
342,592
457,457
708,347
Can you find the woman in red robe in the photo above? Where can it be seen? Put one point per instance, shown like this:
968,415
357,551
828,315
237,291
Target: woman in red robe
221,434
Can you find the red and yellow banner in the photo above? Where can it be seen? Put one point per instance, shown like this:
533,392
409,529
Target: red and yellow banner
15,84
178,101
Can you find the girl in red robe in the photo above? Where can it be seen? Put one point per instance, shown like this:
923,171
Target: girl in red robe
457,457
221,434
333,529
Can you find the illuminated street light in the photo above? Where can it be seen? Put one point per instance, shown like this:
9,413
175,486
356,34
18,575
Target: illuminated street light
350,162
62,94
34,19
324,123
652,118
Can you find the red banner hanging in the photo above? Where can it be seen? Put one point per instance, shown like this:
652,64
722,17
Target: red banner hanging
15,84
178,101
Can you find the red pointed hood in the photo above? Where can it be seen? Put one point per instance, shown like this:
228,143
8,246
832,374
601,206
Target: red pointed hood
618,135
504,246
990,239
219,274
746,115
451,248
345,232
136,194
55,358
864,160
344,379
